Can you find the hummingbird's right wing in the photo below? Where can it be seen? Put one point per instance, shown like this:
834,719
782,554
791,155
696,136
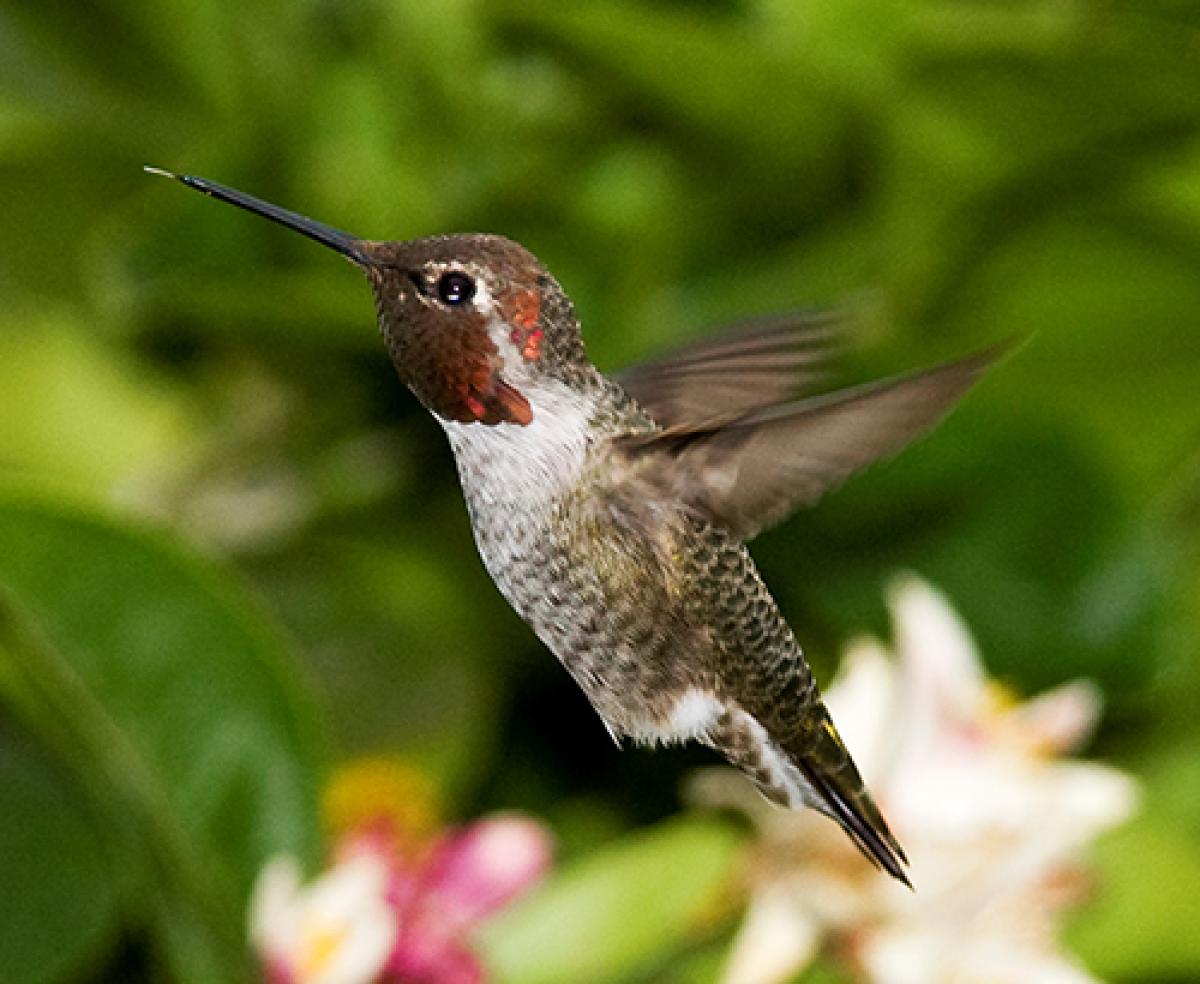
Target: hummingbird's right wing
752,472
756,363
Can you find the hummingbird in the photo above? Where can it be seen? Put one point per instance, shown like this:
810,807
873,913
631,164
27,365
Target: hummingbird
613,512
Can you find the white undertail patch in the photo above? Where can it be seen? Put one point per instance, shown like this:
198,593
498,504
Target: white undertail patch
694,714
782,773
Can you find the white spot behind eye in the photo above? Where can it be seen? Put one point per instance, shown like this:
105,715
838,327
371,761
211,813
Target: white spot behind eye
484,302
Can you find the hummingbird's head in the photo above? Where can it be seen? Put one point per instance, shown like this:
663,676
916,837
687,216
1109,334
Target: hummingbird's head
473,323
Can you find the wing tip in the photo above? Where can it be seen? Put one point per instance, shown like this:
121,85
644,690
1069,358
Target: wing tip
977,363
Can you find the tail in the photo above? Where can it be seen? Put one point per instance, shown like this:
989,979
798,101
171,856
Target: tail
815,769
839,792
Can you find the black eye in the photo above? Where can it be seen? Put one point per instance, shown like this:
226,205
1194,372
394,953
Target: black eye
455,287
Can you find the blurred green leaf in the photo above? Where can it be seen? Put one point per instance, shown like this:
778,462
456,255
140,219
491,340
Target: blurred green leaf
170,700
1141,925
81,412
705,75
59,896
389,612
620,908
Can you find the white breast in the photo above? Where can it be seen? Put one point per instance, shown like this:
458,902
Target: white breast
512,464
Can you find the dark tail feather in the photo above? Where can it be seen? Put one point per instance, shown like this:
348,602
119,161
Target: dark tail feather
825,762
863,822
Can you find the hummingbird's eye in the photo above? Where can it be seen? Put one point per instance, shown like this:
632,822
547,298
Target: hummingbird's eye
455,287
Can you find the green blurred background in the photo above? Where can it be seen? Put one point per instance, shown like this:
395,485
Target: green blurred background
225,526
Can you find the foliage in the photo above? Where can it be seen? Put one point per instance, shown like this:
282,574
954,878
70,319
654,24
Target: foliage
670,877
186,752
176,372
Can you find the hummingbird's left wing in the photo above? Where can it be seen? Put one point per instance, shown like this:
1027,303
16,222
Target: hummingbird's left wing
756,363
751,472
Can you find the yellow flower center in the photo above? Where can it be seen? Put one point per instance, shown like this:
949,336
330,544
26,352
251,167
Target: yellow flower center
999,699
321,942
370,790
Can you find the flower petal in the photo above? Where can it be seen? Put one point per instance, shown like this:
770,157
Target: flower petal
348,887
920,954
1059,720
862,700
358,952
339,930
776,940
273,918
421,959
934,645
1089,798
481,867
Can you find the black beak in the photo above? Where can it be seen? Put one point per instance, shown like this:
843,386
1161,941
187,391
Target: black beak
349,246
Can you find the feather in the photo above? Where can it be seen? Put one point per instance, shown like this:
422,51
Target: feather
753,471
757,363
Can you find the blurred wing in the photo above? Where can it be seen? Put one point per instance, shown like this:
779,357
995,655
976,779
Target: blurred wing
757,363
753,472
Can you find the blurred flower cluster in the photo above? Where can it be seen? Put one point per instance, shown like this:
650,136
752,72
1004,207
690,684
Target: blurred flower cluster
975,786
400,899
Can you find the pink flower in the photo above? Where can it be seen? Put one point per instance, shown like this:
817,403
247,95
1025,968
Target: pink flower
389,911
469,874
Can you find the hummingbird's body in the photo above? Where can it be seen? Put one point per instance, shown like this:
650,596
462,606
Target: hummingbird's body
659,616
612,514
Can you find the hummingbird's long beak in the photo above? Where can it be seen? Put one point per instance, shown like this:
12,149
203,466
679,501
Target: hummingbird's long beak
346,244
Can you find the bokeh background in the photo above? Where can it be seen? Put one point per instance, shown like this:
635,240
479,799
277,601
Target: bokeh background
232,548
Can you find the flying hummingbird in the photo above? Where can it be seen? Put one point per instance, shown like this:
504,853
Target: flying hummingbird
612,513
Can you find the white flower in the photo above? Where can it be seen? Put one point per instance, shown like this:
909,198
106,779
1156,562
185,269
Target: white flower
338,930
971,781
